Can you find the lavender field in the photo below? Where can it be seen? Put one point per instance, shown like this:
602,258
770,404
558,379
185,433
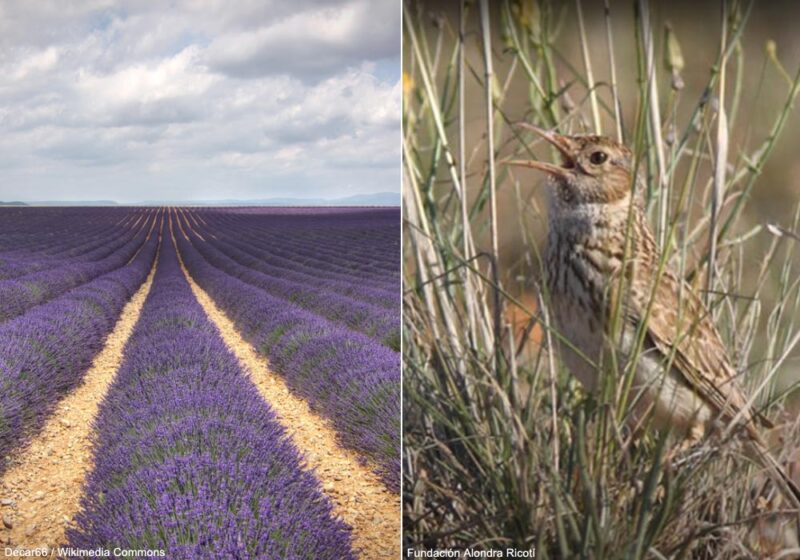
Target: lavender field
143,352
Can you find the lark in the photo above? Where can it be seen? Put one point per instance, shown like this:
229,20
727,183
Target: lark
612,300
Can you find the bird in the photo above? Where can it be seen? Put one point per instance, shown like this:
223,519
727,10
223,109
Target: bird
613,299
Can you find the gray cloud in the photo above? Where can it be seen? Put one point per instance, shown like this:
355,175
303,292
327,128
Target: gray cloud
125,100
312,43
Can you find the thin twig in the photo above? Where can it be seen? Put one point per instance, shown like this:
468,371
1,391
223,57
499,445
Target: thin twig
721,160
488,84
655,119
613,65
587,64
462,168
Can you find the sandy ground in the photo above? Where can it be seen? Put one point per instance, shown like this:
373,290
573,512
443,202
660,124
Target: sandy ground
359,497
41,490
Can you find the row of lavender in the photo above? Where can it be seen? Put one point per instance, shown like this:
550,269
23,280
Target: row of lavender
309,279
350,244
311,260
21,260
20,294
45,352
22,227
36,239
242,261
189,458
346,376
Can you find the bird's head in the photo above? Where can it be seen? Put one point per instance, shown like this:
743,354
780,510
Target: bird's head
594,169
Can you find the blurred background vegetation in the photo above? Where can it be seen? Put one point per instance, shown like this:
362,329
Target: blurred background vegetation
502,447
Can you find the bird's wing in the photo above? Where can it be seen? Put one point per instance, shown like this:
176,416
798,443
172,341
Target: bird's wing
682,329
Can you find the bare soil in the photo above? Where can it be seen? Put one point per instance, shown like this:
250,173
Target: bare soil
41,490
359,498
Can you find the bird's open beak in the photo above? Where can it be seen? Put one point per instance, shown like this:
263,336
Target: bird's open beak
562,143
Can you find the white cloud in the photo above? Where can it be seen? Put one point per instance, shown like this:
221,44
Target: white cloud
169,90
138,102
37,62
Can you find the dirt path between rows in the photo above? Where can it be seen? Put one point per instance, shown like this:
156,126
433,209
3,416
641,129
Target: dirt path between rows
41,490
359,497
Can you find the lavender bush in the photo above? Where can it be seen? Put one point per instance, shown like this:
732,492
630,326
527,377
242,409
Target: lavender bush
360,246
19,294
378,322
298,268
189,458
345,375
77,246
44,352
38,236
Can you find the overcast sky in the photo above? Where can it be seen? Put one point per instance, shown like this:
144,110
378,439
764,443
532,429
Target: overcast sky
206,99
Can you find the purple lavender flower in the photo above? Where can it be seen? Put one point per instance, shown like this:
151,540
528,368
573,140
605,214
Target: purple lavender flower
345,375
45,352
189,458
23,292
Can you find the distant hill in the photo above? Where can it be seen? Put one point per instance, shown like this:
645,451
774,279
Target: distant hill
66,203
374,199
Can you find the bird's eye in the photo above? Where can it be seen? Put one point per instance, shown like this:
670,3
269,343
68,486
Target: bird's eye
598,158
